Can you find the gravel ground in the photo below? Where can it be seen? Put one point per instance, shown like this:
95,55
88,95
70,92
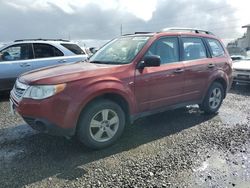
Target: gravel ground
180,148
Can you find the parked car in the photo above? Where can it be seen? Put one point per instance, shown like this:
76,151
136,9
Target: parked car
241,71
237,57
130,77
234,50
25,55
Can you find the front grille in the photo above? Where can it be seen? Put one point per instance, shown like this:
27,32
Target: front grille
19,90
242,70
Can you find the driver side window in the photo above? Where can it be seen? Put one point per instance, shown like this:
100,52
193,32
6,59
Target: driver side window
16,52
167,48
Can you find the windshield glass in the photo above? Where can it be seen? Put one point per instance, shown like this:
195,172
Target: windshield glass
119,51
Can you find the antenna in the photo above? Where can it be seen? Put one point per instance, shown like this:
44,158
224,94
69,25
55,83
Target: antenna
121,29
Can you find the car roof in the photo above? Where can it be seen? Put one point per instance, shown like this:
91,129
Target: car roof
45,41
172,34
176,31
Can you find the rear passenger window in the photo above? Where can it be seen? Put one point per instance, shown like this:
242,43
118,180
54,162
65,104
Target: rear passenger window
45,50
216,48
193,48
167,48
73,48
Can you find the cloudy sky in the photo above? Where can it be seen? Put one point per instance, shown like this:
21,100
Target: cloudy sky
102,19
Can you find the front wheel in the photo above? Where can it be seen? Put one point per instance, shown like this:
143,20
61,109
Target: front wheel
213,99
101,124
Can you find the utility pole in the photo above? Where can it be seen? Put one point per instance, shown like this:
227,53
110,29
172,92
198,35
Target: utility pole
121,29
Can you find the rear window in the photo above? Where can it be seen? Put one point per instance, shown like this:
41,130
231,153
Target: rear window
73,48
216,48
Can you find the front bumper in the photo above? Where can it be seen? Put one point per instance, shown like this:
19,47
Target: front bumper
54,115
43,125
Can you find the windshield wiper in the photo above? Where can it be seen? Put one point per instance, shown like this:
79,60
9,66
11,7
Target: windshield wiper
108,62
98,62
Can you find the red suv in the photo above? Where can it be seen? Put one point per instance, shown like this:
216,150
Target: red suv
130,77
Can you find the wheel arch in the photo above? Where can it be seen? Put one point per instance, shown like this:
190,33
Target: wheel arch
118,98
223,83
220,77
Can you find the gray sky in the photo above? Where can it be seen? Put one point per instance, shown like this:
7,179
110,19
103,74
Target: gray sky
101,19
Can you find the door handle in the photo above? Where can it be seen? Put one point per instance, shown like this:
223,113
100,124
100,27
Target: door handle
211,65
179,71
24,64
62,61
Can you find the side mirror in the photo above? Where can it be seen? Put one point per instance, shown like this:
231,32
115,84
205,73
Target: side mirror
93,50
150,61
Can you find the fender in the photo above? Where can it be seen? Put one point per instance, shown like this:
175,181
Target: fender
108,85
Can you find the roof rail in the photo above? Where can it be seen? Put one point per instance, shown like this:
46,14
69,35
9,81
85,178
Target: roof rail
127,34
63,40
143,32
140,32
188,29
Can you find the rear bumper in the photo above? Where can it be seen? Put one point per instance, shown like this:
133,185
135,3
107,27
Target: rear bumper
45,126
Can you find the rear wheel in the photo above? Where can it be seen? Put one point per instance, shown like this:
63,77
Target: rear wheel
101,124
213,99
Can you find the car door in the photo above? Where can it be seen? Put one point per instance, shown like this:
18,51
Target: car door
157,87
198,67
15,60
47,55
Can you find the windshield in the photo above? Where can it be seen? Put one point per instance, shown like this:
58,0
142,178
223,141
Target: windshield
119,51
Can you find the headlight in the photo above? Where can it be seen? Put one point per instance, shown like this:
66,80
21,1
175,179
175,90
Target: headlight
43,91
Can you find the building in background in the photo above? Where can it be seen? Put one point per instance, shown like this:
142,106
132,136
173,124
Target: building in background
240,45
246,43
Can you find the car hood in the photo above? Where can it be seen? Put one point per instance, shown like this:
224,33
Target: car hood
244,65
65,73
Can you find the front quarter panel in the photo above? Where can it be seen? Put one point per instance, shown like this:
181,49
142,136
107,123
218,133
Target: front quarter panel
92,89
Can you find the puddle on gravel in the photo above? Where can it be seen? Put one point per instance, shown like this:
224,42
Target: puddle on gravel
9,154
10,149
15,133
224,170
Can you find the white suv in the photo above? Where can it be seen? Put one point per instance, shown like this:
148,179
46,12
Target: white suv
24,55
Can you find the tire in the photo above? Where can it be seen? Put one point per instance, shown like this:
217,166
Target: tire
213,98
101,124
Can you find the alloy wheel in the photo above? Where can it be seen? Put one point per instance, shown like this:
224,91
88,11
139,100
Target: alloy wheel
104,125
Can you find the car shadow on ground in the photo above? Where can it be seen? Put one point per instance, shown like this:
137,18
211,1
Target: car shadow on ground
4,96
45,156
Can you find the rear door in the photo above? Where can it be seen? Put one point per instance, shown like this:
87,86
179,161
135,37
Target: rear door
47,55
14,61
157,87
198,67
